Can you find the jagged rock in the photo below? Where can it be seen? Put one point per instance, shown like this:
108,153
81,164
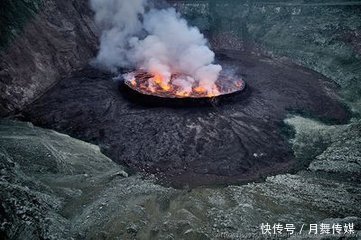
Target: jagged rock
321,35
233,141
59,38
56,187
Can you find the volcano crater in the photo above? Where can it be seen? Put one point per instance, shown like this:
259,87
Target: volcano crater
194,143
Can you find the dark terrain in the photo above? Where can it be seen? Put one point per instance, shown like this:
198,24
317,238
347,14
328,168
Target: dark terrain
229,142
53,186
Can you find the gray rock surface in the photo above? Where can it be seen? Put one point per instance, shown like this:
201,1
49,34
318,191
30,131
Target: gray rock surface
322,35
232,141
62,37
58,39
56,187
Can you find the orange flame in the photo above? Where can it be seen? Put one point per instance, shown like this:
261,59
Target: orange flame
200,90
158,79
215,92
182,94
155,83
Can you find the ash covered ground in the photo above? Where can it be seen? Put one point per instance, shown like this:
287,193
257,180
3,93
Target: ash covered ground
53,186
232,141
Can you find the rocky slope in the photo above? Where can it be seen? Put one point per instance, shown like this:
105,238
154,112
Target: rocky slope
322,35
230,142
56,187
42,42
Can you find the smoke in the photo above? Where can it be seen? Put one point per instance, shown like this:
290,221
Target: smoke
158,41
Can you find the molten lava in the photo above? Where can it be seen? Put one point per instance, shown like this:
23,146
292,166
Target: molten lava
156,85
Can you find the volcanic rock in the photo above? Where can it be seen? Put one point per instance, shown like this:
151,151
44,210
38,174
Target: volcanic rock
57,187
230,142
51,39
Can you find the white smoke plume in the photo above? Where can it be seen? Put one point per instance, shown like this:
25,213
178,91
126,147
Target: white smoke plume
157,41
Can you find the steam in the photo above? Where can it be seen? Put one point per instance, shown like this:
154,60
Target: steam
158,41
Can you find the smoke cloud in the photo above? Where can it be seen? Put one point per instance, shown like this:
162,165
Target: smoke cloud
158,41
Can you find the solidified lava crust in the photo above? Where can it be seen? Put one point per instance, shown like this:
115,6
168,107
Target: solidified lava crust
236,141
